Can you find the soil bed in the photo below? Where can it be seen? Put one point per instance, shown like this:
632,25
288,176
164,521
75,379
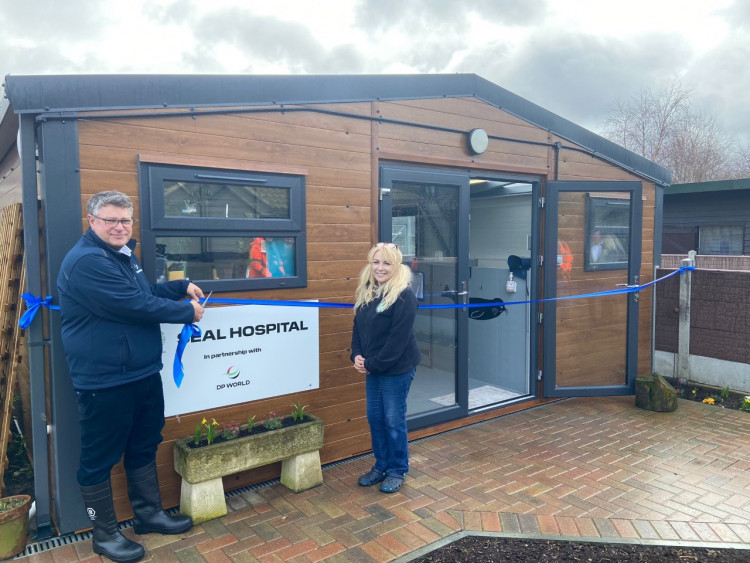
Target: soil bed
473,549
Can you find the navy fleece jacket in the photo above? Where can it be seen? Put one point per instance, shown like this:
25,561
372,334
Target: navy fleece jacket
111,315
386,340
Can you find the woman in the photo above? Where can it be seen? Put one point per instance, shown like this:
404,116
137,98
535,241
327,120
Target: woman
384,348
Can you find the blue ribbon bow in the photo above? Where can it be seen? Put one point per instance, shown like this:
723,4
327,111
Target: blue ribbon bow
32,306
188,331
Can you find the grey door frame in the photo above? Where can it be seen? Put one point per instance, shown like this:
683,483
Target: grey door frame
549,330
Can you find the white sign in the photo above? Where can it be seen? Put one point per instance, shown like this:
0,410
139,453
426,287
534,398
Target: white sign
244,353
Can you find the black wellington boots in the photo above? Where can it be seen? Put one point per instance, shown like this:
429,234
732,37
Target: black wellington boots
107,537
143,490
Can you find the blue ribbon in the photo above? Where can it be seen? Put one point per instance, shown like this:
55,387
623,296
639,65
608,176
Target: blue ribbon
32,306
188,331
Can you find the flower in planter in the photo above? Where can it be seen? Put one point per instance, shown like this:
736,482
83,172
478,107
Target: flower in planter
230,431
745,406
210,428
273,421
709,400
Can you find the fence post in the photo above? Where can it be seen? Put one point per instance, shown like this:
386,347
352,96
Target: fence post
683,338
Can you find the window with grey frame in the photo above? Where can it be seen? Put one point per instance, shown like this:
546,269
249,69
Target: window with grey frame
607,236
227,230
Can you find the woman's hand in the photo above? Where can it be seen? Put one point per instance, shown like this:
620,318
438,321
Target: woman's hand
359,364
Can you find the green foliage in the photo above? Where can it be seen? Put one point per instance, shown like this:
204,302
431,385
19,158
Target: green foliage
198,433
298,412
745,406
725,393
250,423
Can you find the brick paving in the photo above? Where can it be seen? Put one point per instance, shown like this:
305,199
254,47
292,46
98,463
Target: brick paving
585,467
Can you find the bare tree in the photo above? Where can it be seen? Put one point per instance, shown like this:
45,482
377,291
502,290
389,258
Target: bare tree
698,151
664,127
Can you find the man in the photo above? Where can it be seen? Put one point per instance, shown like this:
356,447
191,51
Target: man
112,340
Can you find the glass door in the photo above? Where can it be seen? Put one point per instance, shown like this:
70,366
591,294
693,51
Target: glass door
426,213
592,245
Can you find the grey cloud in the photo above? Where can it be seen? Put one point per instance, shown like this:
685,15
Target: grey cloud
721,82
578,76
178,12
423,15
737,15
45,59
53,20
268,39
260,37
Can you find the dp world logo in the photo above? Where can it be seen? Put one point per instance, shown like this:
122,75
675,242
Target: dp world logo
232,372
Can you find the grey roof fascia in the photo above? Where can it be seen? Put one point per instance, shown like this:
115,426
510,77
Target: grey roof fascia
714,186
75,93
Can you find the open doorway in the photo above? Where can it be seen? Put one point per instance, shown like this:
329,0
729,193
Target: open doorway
500,250
463,236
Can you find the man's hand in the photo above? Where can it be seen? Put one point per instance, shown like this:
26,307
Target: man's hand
194,292
359,364
197,310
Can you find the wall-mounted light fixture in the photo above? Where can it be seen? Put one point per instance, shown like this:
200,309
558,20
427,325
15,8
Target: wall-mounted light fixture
477,141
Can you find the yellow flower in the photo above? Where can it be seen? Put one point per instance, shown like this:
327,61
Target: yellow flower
709,400
203,421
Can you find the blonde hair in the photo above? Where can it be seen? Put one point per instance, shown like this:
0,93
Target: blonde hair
368,290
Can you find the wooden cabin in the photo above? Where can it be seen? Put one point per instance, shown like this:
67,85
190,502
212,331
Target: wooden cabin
712,218
475,184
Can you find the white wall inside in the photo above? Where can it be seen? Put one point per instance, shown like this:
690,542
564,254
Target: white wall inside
500,227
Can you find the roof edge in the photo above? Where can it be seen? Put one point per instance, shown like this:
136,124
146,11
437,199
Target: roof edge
75,93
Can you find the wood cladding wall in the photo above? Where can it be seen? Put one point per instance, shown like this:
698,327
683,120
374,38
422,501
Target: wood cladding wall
339,155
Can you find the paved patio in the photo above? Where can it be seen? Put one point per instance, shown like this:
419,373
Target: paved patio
583,468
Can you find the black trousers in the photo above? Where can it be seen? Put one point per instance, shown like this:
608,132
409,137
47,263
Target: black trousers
124,420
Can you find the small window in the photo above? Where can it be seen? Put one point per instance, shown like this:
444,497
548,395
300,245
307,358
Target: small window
607,236
721,240
225,230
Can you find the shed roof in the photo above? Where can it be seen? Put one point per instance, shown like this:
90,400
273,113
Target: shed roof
73,93
717,186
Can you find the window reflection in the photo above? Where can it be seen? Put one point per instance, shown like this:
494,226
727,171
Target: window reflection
224,257
607,233
195,199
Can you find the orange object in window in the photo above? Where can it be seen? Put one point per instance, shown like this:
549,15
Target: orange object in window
258,267
566,264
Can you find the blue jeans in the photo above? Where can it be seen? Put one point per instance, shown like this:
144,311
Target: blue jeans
386,413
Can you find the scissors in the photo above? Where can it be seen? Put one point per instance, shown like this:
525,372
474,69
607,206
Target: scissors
206,300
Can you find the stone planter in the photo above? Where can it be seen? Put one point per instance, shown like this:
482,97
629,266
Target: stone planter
202,492
14,527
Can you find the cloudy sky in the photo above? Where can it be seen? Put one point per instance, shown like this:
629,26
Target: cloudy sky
573,57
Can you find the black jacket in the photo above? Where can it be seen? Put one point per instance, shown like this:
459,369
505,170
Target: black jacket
386,340
111,315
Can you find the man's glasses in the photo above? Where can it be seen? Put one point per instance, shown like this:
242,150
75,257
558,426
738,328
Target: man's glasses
386,245
112,223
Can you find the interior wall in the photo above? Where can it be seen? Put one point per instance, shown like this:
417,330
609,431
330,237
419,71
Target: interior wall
500,227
